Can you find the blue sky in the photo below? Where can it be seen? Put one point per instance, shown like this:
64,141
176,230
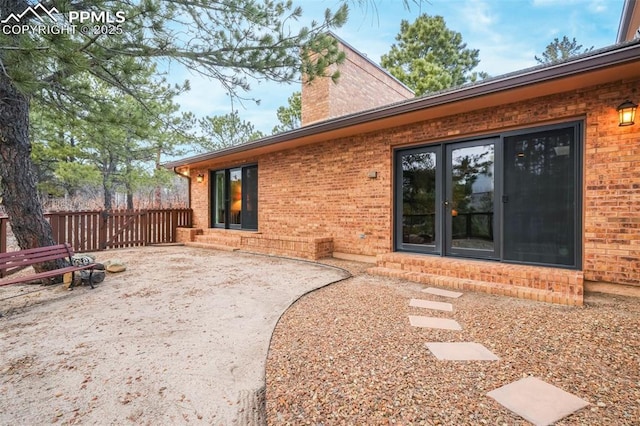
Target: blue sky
508,34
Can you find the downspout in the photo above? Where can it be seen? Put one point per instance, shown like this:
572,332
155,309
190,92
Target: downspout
188,177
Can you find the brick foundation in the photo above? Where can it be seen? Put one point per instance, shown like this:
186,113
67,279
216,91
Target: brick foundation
551,285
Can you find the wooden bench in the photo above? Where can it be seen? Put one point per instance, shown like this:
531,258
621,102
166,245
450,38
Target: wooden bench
12,262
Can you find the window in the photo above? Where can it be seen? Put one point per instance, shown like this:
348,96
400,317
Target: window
234,198
514,197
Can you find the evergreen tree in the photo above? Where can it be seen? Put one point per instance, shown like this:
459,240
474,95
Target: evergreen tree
429,57
117,142
559,50
223,131
289,116
230,41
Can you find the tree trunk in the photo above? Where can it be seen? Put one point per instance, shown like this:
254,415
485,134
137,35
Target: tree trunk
128,185
108,170
129,199
157,202
108,196
17,179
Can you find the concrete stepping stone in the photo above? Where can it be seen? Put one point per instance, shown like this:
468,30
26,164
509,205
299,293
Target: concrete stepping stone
441,292
431,322
537,401
461,351
429,304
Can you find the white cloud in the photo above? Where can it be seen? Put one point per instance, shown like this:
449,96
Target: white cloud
479,16
597,6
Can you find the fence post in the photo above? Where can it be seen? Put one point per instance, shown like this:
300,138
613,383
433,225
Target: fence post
145,225
102,229
174,225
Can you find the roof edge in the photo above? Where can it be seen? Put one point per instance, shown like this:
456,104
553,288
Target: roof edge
607,57
625,20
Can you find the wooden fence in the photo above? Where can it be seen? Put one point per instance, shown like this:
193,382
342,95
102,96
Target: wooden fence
102,230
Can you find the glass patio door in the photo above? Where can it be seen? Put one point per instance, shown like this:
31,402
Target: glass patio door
470,204
234,198
513,197
418,206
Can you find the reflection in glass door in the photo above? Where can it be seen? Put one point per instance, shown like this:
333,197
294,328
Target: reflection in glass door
234,196
235,207
219,200
418,207
470,201
514,197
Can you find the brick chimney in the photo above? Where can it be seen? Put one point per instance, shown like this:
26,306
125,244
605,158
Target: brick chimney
362,85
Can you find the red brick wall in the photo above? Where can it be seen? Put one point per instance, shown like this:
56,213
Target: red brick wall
612,189
361,86
200,198
324,189
315,99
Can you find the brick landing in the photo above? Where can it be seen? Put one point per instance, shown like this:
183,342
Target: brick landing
312,248
553,285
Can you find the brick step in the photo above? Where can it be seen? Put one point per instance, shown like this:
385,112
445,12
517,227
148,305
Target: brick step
211,246
556,285
305,247
502,289
218,239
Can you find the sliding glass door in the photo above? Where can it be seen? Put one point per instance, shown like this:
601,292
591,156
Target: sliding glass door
541,197
470,203
250,197
234,198
515,197
235,195
420,200
219,199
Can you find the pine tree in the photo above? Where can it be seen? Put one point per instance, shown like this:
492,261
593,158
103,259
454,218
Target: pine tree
231,41
559,50
290,116
429,57
223,131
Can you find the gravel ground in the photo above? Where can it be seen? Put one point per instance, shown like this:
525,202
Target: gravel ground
346,355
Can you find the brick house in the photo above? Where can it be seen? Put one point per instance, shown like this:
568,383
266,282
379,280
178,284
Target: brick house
524,184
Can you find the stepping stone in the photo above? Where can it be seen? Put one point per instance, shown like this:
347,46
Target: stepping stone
428,304
537,401
440,292
431,322
461,351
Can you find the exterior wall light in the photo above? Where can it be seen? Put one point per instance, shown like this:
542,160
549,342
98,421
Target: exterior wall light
200,178
627,113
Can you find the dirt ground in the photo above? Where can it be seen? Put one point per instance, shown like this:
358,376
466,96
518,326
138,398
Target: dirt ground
180,337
